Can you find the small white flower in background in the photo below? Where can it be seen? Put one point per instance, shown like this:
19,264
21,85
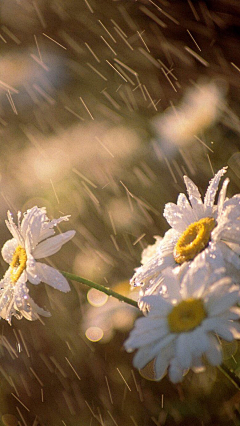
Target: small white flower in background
33,239
200,230
182,324
199,109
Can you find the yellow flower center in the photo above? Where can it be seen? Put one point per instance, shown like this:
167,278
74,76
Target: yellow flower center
194,239
186,316
18,263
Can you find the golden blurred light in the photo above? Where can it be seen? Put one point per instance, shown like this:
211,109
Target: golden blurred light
53,165
96,298
90,264
121,213
94,334
120,141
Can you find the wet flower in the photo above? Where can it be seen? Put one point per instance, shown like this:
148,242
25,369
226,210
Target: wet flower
33,239
15,300
199,230
181,328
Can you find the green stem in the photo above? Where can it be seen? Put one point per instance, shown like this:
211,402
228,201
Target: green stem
100,287
230,375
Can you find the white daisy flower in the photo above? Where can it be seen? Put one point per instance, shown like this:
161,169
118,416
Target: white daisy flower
199,230
182,324
15,300
33,239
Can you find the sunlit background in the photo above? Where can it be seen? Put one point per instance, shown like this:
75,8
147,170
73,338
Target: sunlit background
104,106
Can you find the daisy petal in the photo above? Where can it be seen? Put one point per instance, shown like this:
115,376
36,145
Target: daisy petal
193,194
175,371
160,366
52,245
212,190
183,350
8,250
52,277
214,353
142,357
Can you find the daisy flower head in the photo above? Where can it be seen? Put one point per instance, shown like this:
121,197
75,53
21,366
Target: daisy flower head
199,229
33,239
179,331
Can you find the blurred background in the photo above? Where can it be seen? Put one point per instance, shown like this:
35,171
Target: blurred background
104,106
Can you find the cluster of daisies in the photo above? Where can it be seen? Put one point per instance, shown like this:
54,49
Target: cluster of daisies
33,239
189,284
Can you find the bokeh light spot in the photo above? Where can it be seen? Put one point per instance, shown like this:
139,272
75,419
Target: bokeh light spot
94,334
96,298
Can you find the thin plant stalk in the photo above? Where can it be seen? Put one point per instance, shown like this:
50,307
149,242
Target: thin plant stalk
101,288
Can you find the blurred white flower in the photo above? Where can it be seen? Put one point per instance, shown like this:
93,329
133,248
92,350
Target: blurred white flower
199,231
182,324
199,109
32,240
15,300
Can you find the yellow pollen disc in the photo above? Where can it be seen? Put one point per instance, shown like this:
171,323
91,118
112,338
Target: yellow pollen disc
186,316
18,263
194,239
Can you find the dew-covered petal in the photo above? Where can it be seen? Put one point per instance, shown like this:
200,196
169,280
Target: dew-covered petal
152,269
52,245
187,211
222,195
52,277
212,190
31,225
151,250
194,195
34,311
174,217
8,250
14,229
47,227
